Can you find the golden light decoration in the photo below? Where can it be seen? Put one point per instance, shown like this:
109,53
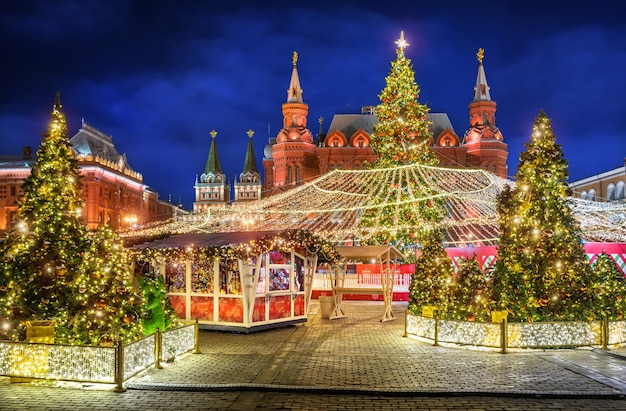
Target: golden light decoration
470,197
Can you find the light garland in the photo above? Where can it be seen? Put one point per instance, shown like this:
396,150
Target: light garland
331,206
94,364
519,335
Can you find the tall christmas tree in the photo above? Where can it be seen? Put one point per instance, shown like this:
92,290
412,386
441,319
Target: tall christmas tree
541,271
53,269
401,137
44,251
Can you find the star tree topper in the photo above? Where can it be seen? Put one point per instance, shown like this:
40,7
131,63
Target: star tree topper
401,42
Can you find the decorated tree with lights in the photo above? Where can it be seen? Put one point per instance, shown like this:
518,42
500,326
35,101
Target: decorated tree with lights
53,269
541,270
401,137
103,303
433,277
44,251
607,288
469,300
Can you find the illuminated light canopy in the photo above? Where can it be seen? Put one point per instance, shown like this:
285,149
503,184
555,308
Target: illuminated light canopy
332,205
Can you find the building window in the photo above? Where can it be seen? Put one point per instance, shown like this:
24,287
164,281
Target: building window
610,192
297,174
592,194
619,194
583,195
13,191
289,175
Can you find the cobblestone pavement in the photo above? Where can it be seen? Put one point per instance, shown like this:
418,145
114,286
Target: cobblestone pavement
347,364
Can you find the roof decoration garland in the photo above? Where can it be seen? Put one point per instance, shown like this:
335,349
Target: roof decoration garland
285,241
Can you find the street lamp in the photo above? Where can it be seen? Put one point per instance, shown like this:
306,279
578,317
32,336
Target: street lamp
131,220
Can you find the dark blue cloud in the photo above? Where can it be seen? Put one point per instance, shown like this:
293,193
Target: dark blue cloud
159,76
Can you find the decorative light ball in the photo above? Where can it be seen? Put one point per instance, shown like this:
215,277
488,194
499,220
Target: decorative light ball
106,341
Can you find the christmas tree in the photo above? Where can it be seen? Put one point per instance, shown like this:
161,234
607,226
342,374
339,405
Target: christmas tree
160,313
401,137
53,269
469,298
541,271
104,304
433,277
607,288
44,251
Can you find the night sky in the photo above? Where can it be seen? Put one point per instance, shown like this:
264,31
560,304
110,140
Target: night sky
159,76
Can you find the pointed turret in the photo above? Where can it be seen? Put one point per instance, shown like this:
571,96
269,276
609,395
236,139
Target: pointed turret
320,133
249,186
481,89
212,187
294,156
294,93
483,141
249,164
213,161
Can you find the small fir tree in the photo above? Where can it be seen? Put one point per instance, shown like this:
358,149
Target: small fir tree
469,300
159,312
433,277
607,288
401,137
541,268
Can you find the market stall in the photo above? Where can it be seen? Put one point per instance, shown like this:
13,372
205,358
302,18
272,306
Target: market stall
386,256
235,281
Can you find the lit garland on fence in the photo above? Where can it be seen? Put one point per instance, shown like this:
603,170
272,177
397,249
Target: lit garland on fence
519,335
177,341
94,364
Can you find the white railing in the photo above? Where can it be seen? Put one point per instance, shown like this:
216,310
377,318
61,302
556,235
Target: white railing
322,281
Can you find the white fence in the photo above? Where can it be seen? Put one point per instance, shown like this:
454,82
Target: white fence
323,281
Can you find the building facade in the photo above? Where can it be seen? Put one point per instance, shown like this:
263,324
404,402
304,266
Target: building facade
250,185
295,157
607,186
211,187
113,193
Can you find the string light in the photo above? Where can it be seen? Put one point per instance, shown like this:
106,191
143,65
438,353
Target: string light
469,198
